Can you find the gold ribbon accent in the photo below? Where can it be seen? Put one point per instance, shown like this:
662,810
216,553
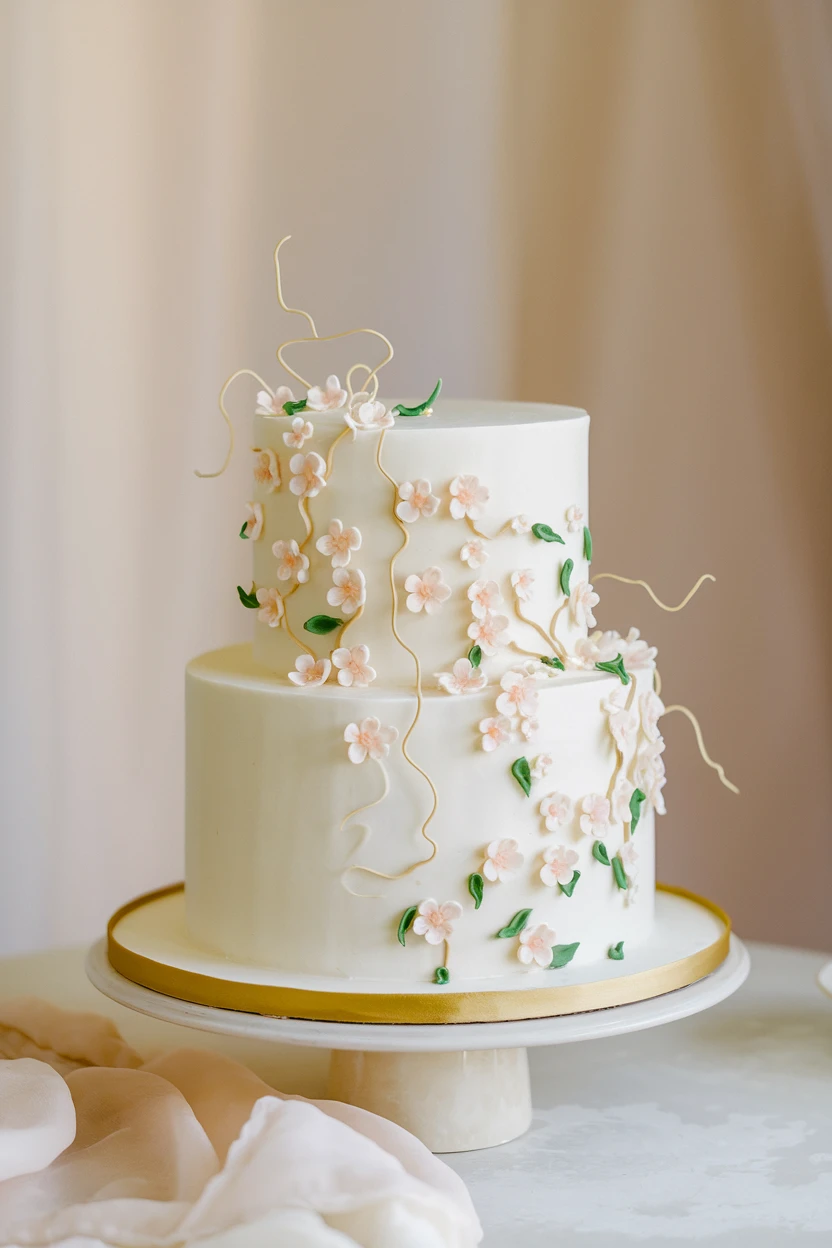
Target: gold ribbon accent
430,1006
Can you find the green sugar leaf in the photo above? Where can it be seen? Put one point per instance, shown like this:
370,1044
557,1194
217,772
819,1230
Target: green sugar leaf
561,954
475,656
619,872
322,624
587,545
636,800
565,574
248,599
420,407
615,667
475,887
442,975
405,921
243,533
547,534
599,851
569,888
515,927
553,662
616,952
294,406
522,773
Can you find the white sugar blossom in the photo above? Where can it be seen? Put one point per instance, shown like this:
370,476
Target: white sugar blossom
574,518
435,922
463,678
650,774
269,404
558,865
474,553
427,591
489,632
267,469
338,543
636,653
522,583
652,709
368,415
468,498
629,858
521,524
310,671
623,723
271,607
495,731
292,564
502,860
353,666
541,766
417,501
581,601
536,945
348,590
621,795
254,520
309,474
519,696
557,810
595,821
369,739
301,430
598,647
328,397
484,597
529,728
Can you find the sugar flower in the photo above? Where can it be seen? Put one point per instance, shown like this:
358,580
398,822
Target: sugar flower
417,501
521,524
595,821
292,564
489,632
468,498
558,865
574,519
519,696
522,583
326,398
541,766
652,709
368,415
502,860
338,543
271,607
529,728
629,857
369,738
254,520
557,810
650,774
635,652
435,922
267,469
494,732
298,434
310,671
269,404
353,666
428,591
348,590
581,601
463,678
474,553
309,478
621,795
598,647
623,723
536,945
484,596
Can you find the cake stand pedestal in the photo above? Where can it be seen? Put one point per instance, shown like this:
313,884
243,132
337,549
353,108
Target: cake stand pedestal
456,1086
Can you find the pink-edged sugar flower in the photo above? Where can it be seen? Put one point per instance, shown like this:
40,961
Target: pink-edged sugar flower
309,474
652,709
353,666
427,591
650,774
267,469
574,519
348,590
369,739
292,564
484,597
328,397
463,678
541,766
435,922
557,810
254,521
310,671
495,731
269,404
416,501
581,601
473,553
536,945
519,696
368,415
636,653
623,724
489,632
502,860
338,543
468,498
529,728
522,583
558,865
299,433
629,858
521,524
595,821
271,607
621,795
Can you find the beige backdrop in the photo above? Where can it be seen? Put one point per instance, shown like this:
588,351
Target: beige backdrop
622,205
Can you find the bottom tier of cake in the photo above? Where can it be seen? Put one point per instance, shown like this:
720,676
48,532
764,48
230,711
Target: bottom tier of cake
280,824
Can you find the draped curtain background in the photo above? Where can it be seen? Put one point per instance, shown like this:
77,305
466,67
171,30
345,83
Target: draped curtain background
624,206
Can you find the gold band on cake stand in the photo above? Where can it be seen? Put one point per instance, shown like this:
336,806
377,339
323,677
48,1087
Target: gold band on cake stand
427,1006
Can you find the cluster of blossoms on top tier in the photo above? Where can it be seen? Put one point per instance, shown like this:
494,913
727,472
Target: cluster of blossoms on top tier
366,415
601,647
318,399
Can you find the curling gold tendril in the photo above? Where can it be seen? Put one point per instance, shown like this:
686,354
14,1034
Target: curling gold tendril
348,624
303,508
367,831
330,455
718,768
549,638
241,372
626,580
485,536
302,644
279,285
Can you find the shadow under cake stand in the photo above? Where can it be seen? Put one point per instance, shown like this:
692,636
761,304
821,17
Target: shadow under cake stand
458,1082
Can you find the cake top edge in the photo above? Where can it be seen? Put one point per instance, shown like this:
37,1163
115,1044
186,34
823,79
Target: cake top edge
462,414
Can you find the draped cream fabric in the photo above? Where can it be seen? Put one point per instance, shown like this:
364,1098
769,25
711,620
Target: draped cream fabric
624,206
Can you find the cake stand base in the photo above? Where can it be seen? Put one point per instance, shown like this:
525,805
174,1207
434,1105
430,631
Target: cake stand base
457,1086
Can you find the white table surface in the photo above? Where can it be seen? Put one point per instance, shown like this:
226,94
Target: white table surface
716,1129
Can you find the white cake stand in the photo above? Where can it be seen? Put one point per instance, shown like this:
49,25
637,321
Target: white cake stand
456,1086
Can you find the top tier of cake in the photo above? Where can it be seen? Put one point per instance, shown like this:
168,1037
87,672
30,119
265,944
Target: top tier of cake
471,537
